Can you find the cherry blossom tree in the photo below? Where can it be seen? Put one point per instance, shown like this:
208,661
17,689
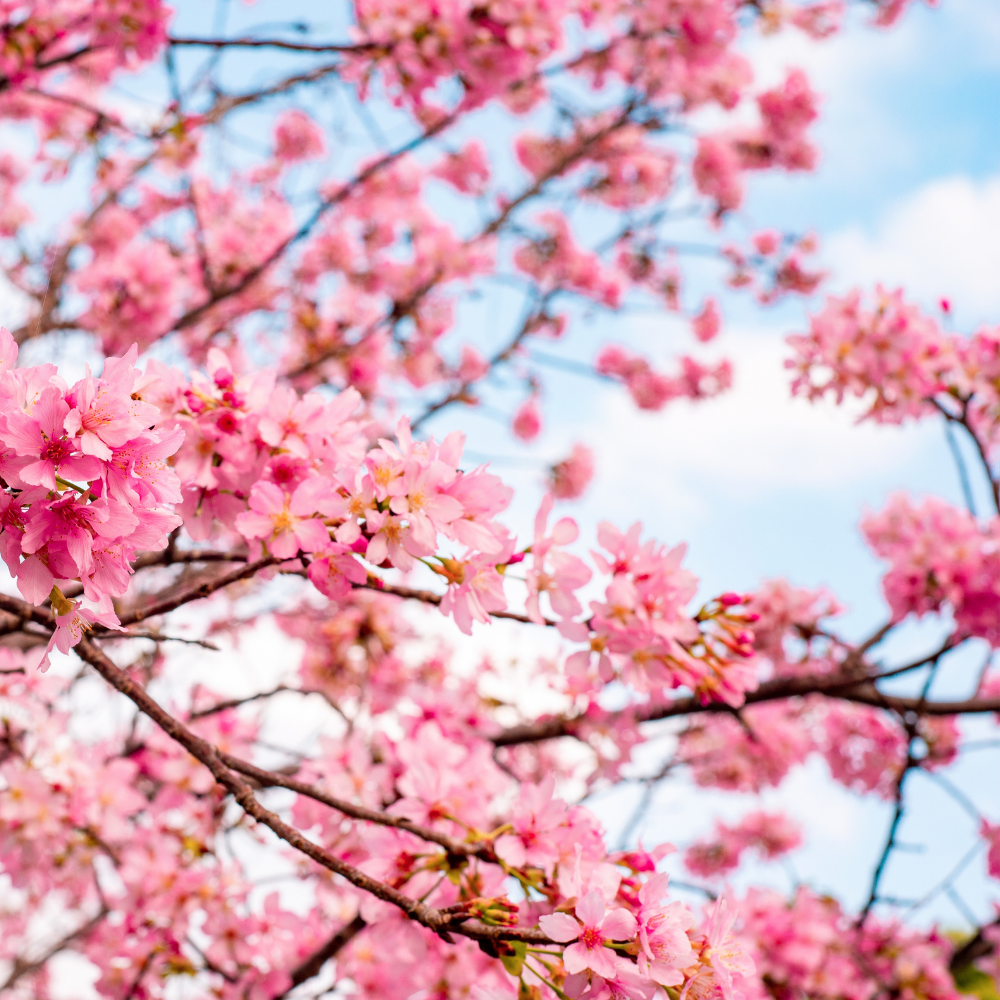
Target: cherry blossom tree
286,329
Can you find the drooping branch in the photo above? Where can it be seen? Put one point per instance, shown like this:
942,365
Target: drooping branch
242,791
272,779
311,966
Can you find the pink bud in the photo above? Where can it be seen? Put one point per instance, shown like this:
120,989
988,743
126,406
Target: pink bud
708,322
766,241
527,422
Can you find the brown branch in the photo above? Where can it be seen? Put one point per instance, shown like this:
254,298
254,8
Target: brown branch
66,57
429,597
100,116
192,316
198,593
25,612
400,309
440,922
272,779
166,557
461,394
272,43
223,706
51,299
978,946
23,967
890,841
312,965
861,691
963,421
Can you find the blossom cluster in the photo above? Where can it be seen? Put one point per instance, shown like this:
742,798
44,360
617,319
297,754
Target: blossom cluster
807,945
310,302
615,928
641,630
294,477
900,363
939,556
772,834
88,485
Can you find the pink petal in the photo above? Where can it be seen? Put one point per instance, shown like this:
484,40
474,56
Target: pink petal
576,958
602,961
591,908
253,525
284,546
34,580
565,531
560,927
619,925
312,535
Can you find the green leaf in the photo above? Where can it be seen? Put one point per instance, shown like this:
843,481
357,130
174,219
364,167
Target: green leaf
513,962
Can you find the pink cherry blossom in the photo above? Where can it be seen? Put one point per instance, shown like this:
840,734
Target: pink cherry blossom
593,925
284,521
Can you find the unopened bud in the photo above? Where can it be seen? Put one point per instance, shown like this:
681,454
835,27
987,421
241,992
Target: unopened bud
498,911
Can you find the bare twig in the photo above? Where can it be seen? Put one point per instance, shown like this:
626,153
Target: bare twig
24,967
270,43
312,965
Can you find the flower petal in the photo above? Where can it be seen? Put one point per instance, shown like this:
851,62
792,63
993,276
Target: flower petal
560,927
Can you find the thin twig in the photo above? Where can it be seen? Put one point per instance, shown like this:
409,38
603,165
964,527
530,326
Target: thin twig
311,966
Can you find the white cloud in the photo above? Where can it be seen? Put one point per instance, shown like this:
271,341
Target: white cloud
755,439
944,240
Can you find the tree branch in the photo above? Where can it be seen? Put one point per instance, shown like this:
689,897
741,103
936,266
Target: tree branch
23,967
312,965
441,922
861,691
272,779
271,43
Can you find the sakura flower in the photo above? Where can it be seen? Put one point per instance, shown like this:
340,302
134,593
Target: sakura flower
728,959
104,419
476,590
297,137
287,420
393,540
663,927
482,496
535,820
592,926
72,621
570,477
334,569
990,832
628,983
555,573
420,500
8,349
527,422
284,521
708,322
42,437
